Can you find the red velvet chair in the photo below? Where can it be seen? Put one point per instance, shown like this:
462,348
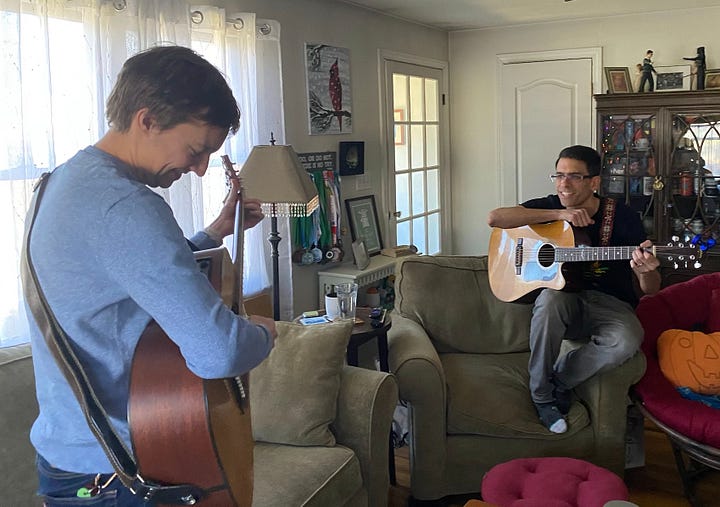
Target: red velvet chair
692,428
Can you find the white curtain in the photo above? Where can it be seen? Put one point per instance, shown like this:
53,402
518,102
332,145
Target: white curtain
58,62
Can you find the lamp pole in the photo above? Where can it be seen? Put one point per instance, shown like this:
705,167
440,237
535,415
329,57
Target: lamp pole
274,239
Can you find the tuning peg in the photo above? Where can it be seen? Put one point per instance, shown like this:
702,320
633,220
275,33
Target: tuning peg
675,265
697,265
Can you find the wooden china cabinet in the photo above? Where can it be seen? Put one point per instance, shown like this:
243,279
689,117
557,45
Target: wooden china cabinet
661,155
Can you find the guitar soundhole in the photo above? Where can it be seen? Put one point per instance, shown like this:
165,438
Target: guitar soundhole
546,255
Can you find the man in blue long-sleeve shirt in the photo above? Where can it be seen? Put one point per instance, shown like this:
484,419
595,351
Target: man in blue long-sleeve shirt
110,257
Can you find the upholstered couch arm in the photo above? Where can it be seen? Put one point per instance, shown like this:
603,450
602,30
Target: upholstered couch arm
366,404
605,396
421,379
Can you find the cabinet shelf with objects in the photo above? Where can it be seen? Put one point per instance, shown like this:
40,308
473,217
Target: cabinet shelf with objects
661,156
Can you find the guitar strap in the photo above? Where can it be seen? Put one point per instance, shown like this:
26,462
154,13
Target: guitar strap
58,343
608,220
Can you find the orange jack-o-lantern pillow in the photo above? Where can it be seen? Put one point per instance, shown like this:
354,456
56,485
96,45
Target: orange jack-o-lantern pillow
691,359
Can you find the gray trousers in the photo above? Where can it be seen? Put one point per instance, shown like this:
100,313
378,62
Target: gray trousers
608,326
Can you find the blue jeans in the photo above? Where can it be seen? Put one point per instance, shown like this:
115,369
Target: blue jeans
607,327
60,489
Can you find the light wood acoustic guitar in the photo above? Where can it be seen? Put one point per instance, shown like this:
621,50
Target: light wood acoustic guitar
188,430
525,259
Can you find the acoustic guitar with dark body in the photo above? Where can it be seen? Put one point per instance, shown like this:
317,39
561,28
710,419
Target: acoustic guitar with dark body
189,430
524,259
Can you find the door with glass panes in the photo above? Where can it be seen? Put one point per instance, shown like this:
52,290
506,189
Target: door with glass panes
418,176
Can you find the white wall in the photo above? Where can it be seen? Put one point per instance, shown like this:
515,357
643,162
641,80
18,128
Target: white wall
473,141
364,33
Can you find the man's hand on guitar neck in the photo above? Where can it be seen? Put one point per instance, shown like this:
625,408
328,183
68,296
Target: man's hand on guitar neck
224,224
644,264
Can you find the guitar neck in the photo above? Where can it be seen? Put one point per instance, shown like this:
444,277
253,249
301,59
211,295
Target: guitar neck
238,240
597,253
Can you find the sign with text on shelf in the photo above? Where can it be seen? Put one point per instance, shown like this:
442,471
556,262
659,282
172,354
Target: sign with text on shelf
318,161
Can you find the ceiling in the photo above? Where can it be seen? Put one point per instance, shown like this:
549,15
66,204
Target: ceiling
470,14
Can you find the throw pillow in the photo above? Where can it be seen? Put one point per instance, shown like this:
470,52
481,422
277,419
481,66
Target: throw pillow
690,359
294,392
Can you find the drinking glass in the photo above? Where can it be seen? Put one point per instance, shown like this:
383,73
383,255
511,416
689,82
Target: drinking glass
347,299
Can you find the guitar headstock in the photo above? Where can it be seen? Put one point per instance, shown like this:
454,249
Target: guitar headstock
230,172
679,254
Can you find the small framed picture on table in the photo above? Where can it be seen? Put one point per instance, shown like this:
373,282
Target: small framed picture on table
360,253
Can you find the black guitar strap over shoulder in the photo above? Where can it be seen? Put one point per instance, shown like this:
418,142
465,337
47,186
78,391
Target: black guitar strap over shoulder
58,343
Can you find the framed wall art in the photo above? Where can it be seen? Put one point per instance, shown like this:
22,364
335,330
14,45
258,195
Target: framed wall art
329,90
364,224
672,78
618,79
352,158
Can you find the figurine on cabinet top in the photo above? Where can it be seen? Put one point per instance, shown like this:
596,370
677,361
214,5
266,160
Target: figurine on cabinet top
699,62
637,77
646,75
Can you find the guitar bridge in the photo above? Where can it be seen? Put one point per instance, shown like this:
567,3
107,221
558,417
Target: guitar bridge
519,256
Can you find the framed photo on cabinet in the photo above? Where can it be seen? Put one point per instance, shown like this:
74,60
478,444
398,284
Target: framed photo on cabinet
712,79
618,79
672,78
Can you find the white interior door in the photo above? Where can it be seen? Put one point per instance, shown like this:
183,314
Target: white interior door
544,107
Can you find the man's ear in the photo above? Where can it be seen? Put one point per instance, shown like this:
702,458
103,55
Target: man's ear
144,121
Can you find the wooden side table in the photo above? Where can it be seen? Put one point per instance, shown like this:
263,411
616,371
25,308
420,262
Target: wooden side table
363,333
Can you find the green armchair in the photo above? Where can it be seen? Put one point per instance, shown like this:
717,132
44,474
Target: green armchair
460,358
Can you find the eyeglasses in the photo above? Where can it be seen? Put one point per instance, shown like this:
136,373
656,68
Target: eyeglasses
573,177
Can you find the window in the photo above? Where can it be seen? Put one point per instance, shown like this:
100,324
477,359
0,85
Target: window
58,61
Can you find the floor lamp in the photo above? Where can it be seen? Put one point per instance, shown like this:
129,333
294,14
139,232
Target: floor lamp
274,175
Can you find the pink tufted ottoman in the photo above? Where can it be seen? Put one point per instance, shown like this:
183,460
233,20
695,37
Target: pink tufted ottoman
551,482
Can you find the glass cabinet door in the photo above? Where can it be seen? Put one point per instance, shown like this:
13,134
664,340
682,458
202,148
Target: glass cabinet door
694,175
628,170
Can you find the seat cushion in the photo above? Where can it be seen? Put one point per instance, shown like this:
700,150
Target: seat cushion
551,482
686,305
689,418
488,394
308,476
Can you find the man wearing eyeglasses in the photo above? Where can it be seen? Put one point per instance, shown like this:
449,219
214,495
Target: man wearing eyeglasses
603,308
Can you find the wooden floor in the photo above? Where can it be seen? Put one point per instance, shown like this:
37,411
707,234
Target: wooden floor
657,484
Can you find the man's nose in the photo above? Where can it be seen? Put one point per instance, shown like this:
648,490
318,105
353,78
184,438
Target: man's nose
201,165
